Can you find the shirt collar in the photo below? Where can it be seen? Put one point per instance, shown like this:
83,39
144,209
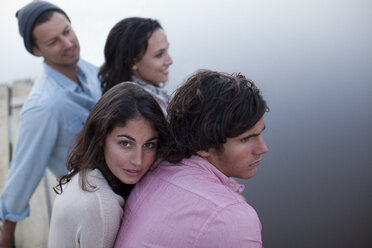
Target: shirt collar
205,165
64,81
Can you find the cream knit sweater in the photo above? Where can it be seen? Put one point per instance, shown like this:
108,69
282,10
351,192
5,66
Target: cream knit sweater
86,219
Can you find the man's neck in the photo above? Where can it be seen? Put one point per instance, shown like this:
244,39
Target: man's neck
69,71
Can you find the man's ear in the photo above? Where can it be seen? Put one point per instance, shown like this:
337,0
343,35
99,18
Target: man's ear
203,154
36,51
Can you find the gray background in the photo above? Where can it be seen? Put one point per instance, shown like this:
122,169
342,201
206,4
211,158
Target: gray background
312,60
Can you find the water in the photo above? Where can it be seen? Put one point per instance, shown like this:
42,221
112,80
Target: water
312,60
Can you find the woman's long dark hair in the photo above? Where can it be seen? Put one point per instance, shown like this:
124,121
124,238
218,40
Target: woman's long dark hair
126,42
121,103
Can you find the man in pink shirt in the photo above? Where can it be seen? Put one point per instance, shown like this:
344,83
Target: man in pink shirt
216,121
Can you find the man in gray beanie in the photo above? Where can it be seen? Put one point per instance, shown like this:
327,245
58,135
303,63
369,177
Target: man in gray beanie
27,17
54,112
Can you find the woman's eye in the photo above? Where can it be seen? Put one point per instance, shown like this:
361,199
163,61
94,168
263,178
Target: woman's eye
158,55
124,143
150,145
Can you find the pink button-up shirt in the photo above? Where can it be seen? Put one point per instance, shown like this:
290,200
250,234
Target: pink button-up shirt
191,204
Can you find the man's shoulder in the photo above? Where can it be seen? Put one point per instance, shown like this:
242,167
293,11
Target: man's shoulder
191,182
42,101
87,67
44,90
36,105
190,199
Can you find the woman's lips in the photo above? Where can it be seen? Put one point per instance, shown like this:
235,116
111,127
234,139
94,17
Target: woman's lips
132,173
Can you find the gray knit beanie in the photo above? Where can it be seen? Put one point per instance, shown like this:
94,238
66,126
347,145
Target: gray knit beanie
27,17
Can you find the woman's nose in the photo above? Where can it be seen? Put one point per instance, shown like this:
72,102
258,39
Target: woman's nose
136,158
168,60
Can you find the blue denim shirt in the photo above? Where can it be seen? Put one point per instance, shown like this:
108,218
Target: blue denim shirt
54,112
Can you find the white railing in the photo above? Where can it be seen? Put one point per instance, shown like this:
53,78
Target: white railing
33,231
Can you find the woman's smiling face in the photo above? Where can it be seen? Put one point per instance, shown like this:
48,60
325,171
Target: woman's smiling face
153,68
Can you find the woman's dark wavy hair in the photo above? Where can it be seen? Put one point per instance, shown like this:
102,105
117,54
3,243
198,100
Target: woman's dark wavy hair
209,108
126,42
123,102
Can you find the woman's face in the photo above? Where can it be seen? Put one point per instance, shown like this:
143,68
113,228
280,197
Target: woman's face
153,68
130,150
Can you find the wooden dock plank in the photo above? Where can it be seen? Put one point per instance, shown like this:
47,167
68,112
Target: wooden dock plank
4,134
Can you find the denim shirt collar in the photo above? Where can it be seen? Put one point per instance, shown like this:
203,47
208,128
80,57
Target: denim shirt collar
65,82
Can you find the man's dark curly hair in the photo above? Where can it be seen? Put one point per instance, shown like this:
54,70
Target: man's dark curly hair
209,108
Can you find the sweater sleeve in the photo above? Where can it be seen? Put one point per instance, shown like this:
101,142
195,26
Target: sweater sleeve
86,219
102,219
236,225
